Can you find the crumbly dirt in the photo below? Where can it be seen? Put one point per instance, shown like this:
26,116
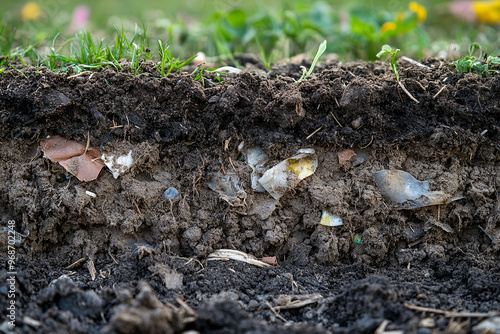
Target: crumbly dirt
131,260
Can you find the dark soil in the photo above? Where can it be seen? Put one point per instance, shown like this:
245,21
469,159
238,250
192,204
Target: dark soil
132,261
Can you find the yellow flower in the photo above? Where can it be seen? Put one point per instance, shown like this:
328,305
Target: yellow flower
31,11
419,10
387,27
487,11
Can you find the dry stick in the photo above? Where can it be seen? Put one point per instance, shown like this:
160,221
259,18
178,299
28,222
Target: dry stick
450,314
414,62
335,118
109,253
407,92
439,92
88,142
137,207
276,313
315,131
76,263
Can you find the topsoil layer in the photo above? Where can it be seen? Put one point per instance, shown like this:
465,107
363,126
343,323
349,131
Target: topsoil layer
136,262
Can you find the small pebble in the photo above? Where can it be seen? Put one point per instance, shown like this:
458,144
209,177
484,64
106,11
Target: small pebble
356,124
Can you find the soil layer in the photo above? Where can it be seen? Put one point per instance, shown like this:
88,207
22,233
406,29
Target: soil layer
133,260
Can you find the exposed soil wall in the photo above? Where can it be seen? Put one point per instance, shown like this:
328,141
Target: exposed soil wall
187,134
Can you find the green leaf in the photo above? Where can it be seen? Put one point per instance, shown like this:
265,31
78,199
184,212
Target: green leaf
236,18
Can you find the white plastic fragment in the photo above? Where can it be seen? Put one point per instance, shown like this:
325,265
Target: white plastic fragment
231,254
401,187
288,173
327,219
91,194
228,70
118,165
256,159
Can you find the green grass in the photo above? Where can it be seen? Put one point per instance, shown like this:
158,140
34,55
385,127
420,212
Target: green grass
272,32
482,65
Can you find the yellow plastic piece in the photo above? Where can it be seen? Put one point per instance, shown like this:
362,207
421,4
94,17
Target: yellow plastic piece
487,11
303,167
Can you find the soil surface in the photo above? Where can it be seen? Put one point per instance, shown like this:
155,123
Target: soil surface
117,255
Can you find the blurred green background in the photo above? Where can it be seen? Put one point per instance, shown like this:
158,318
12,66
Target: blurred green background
274,30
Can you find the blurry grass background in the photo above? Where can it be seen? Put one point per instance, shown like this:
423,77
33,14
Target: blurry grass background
272,30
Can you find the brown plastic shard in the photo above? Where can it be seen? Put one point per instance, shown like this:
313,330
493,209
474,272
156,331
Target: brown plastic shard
85,165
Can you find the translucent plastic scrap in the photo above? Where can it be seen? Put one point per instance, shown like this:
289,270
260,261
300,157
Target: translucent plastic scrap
228,188
171,194
327,219
288,173
402,188
256,158
118,164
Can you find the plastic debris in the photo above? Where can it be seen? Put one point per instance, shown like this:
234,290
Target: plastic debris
91,194
228,70
361,156
256,159
83,162
357,239
231,254
327,219
288,173
227,186
401,187
118,165
171,194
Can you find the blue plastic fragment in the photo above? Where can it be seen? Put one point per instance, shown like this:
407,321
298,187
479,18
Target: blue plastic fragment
171,193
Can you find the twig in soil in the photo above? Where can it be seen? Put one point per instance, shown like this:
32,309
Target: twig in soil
451,314
371,140
189,261
231,254
414,62
297,301
37,154
114,260
88,142
407,92
188,308
231,162
276,313
76,263
439,92
79,74
335,118
423,88
485,232
315,131
91,268
137,207
383,326
337,102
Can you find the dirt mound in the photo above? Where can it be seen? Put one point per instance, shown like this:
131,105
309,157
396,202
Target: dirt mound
193,158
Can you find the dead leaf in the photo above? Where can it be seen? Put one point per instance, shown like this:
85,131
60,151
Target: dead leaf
84,164
345,156
270,260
